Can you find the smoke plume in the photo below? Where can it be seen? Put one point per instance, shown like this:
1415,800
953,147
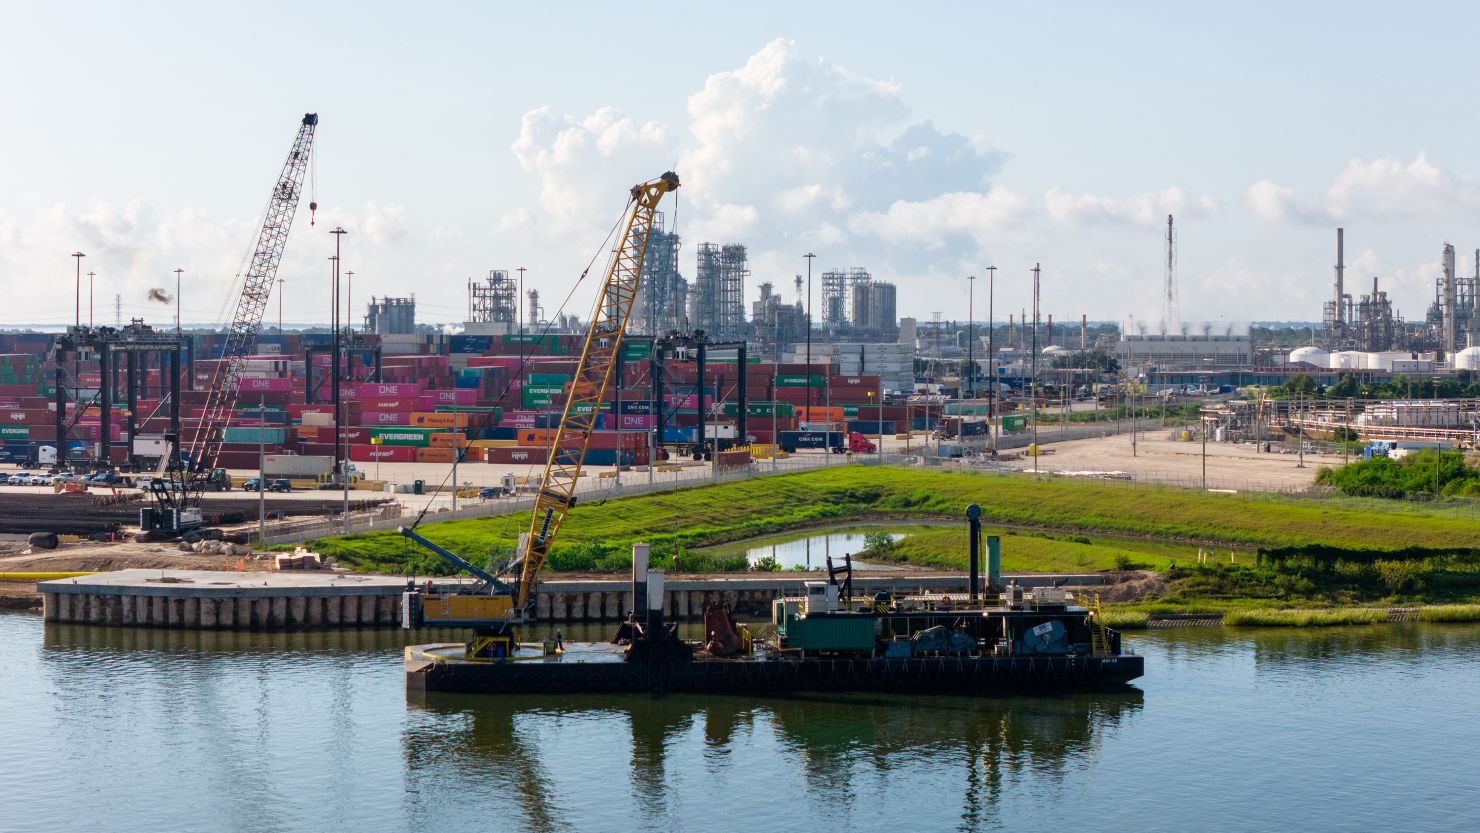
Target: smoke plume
161,296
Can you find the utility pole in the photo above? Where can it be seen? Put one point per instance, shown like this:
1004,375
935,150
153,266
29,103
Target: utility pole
349,304
90,276
991,357
809,256
78,304
178,272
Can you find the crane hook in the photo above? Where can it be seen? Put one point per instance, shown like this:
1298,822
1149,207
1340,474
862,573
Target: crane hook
312,207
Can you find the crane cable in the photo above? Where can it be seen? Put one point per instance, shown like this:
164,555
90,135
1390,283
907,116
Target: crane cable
527,350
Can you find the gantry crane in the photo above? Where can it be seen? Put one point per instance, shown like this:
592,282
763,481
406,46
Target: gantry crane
178,497
493,607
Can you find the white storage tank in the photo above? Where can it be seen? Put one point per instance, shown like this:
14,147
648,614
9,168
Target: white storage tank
1467,359
1310,355
1346,360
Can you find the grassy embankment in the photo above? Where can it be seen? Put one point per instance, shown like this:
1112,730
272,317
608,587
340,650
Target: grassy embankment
1352,553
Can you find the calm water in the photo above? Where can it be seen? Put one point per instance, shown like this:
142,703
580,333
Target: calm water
812,552
1342,730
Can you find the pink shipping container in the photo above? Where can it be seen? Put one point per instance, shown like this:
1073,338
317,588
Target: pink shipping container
637,422
254,385
456,396
373,390
385,417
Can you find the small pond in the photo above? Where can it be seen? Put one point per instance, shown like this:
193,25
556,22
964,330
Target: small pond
811,551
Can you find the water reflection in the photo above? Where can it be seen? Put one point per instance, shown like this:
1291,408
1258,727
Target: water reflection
837,748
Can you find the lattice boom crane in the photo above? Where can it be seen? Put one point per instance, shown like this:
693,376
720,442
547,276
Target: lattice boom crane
241,339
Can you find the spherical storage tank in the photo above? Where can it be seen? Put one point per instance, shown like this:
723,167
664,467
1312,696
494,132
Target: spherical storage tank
1467,359
1314,356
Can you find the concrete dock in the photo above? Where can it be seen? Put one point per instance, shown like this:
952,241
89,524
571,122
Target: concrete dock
207,600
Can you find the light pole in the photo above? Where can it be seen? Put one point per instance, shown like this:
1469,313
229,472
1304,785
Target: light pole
1033,357
261,474
971,332
78,304
1203,419
991,357
90,276
339,467
349,303
178,272
809,256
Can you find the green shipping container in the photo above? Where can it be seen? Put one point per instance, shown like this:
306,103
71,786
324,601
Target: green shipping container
549,380
798,381
15,432
417,437
760,409
636,351
240,434
1016,422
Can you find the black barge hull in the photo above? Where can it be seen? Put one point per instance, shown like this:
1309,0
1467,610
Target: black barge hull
768,676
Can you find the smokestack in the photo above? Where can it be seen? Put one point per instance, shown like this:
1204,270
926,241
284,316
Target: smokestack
1083,332
1050,330
1340,276
1451,303
1009,329
1475,305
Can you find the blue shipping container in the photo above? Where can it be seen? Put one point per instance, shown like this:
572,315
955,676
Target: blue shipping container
677,435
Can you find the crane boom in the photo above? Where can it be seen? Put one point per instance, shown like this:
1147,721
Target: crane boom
241,339
588,387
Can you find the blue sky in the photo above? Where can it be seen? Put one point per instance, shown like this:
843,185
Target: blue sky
923,142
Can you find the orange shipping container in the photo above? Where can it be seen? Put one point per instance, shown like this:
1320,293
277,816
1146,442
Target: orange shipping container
448,440
434,455
473,455
440,420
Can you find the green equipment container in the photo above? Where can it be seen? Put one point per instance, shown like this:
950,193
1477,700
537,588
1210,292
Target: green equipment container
1015,422
398,435
832,632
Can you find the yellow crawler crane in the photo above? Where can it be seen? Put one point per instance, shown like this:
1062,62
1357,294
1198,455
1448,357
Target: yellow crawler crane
492,608
588,389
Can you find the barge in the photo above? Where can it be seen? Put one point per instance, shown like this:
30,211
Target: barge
823,642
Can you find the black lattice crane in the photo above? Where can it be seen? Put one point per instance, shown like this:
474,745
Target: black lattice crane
241,339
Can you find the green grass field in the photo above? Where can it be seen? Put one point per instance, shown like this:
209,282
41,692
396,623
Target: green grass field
1085,524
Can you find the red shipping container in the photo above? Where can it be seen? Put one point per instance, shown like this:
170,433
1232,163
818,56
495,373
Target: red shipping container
517,455
382,453
381,403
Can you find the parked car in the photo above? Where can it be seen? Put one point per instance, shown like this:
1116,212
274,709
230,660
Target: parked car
490,492
251,484
20,478
40,480
271,486
106,478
